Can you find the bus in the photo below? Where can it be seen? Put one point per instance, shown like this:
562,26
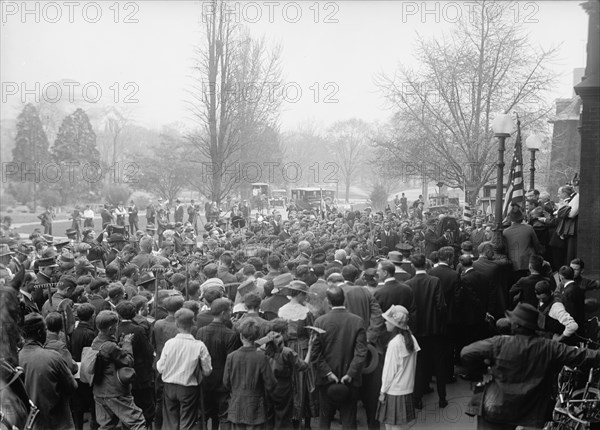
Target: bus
309,198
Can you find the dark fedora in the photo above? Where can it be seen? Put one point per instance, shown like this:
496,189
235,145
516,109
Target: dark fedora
47,262
338,393
402,246
146,278
125,375
525,315
372,360
116,238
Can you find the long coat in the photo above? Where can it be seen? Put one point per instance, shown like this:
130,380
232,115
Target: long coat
521,243
430,303
248,376
49,383
342,349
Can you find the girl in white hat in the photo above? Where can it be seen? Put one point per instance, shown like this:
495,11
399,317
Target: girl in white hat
396,408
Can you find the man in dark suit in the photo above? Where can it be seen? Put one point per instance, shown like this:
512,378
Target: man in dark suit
449,282
523,291
178,211
339,356
401,275
393,292
276,223
220,341
433,242
388,239
285,231
361,302
431,308
405,264
478,235
142,389
476,296
177,237
496,274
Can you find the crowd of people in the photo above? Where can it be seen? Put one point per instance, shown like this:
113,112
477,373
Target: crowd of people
256,322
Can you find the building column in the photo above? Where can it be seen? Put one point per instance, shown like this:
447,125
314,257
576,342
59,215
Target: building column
588,230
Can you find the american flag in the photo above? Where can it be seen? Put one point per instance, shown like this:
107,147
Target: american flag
515,192
467,214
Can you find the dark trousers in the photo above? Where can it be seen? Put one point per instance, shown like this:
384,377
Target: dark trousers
144,399
180,407
159,391
369,394
215,408
431,360
451,349
133,227
347,409
81,402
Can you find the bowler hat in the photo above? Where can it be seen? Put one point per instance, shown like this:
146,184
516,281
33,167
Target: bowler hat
372,360
70,231
525,315
338,393
125,375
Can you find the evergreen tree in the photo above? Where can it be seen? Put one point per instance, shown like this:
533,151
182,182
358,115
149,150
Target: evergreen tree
76,152
30,151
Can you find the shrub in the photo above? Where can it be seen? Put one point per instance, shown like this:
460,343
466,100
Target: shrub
50,198
115,194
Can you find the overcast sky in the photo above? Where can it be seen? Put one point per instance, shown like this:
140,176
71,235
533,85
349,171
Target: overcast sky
331,51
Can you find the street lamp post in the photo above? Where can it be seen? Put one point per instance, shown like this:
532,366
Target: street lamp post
533,143
502,127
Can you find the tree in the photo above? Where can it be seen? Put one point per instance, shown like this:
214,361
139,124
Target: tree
347,141
165,172
441,130
379,197
31,149
79,175
233,101
115,194
115,123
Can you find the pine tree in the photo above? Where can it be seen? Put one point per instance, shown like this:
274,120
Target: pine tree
76,152
30,152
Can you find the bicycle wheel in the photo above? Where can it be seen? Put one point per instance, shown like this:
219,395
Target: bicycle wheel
584,407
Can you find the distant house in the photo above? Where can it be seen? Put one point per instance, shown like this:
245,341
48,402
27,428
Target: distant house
486,200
